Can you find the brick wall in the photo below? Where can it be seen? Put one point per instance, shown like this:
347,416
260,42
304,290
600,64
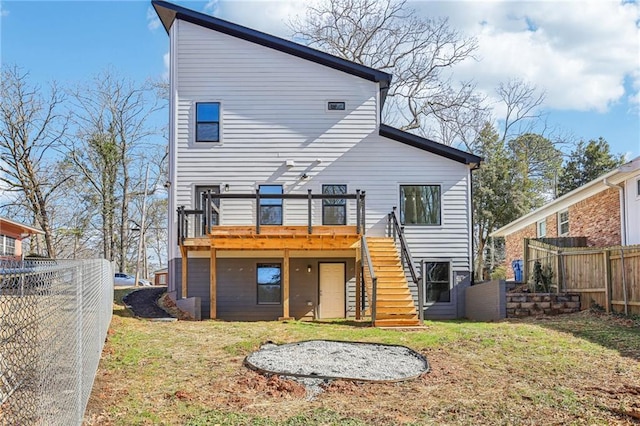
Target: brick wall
597,218
514,246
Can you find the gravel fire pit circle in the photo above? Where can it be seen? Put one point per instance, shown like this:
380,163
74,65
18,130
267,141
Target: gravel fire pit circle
329,359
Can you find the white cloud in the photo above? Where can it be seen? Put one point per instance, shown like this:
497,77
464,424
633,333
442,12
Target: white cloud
580,53
212,7
166,60
3,12
153,22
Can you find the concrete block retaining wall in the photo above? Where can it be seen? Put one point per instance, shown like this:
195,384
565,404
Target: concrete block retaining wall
520,305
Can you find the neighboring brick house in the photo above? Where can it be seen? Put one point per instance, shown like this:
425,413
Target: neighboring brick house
11,235
605,212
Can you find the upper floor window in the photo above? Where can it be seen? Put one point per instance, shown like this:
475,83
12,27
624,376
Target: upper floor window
563,222
270,208
208,122
334,210
542,228
335,106
420,204
638,187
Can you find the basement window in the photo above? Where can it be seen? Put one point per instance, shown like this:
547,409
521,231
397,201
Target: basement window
269,283
437,282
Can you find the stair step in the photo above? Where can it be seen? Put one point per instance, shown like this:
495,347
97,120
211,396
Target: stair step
397,323
385,304
401,316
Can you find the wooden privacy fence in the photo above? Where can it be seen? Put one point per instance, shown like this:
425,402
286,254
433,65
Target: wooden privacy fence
606,276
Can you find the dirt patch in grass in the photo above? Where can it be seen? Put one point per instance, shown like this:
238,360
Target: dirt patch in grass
562,370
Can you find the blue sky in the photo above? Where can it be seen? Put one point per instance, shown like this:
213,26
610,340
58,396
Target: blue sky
585,55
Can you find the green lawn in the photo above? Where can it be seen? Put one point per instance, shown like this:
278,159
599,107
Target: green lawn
575,369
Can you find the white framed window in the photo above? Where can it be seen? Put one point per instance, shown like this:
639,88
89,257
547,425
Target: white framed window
563,222
7,246
420,205
542,228
207,121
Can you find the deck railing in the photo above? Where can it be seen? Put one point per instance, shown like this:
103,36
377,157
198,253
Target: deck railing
190,220
367,270
397,231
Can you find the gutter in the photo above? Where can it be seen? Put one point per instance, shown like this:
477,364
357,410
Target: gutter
623,210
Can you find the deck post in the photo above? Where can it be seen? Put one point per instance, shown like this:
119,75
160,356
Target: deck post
309,210
258,211
358,289
364,214
213,285
185,265
285,286
358,208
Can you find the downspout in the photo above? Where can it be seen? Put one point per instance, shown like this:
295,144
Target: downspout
623,211
623,239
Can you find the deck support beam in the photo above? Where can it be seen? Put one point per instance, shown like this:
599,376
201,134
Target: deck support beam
185,266
285,287
213,284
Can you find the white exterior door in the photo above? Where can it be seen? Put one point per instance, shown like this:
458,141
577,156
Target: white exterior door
332,290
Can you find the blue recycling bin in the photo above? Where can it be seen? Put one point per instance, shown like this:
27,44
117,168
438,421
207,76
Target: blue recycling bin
517,266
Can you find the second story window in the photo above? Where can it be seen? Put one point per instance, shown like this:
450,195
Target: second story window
420,205
208,122
271,208
334,211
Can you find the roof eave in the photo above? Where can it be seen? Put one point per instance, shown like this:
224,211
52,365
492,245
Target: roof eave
428,145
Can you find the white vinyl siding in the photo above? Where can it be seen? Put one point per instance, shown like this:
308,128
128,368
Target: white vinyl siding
274,110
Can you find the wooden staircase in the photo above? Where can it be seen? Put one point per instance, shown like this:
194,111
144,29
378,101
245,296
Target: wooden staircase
394,303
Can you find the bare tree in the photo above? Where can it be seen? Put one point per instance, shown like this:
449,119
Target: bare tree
30,130
522,102
113,139
390,37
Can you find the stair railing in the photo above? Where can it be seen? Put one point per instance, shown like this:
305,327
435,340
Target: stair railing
397,231
366,257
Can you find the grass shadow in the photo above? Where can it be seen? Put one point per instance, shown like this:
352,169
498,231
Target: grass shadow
612,331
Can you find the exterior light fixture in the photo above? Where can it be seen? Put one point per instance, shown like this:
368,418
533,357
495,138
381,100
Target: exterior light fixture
226,187
309,268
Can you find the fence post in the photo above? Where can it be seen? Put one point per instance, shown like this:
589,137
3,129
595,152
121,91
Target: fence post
559,270
607,279
79,327
525,261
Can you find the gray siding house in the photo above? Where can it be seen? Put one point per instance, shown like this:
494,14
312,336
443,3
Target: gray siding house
283,184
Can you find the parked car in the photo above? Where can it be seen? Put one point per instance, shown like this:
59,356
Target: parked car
122,279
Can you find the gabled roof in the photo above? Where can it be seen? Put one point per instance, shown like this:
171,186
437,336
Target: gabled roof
587,190
169,12
429,145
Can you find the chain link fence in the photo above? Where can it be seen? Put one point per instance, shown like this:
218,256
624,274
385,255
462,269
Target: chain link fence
54,317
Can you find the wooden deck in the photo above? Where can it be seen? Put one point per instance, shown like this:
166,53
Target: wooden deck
275,237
